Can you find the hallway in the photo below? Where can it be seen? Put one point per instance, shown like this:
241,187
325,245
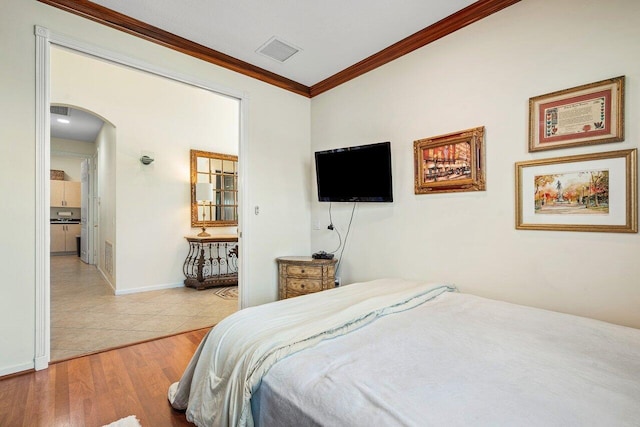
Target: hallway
86,317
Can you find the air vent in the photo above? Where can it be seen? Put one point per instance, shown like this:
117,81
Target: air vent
61,111
278,50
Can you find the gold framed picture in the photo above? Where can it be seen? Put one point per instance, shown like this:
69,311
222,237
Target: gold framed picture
589,192
450,163
583,115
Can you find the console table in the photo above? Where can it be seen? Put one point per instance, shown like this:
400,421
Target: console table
212,261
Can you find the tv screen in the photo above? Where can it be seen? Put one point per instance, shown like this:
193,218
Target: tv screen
355,174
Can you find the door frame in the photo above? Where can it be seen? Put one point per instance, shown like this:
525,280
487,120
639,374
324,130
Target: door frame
44,39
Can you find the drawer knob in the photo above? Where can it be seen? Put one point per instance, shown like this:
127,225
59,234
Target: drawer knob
302,271
302,286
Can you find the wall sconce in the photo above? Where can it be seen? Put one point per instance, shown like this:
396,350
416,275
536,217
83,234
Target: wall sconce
204,193
146,160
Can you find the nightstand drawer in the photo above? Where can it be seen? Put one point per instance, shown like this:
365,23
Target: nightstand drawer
303,285
313,271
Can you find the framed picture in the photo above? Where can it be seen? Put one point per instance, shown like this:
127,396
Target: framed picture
583,115
590,192
450,163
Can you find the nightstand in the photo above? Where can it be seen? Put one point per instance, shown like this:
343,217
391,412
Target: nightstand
300,275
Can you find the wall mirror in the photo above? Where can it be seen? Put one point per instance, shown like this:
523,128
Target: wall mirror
221,171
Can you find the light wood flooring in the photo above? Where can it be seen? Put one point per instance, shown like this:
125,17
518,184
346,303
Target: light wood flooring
98,389
86,317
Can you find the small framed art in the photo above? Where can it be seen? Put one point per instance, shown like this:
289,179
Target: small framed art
589,192
583,115
450,163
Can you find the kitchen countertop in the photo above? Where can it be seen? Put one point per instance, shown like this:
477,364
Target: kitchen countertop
65,221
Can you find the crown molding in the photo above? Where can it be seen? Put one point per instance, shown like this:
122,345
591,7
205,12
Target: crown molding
472,13
462,18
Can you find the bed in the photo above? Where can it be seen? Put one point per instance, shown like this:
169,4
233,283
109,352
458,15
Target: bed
394,352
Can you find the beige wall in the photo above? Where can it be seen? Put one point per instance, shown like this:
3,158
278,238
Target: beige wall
483,75
277,132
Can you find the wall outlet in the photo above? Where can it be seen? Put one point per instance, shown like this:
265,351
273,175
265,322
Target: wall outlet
336,282
316,225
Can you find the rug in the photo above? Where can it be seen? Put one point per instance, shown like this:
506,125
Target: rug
130,421
228,292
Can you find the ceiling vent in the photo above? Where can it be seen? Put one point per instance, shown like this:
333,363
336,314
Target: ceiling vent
61,111
277,49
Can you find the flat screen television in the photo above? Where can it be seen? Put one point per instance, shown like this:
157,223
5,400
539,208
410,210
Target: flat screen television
355,174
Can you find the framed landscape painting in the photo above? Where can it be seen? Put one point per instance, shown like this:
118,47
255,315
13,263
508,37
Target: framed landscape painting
583,115
590,192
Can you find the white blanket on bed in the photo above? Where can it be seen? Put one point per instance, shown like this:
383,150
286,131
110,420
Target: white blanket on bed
229,364
460,360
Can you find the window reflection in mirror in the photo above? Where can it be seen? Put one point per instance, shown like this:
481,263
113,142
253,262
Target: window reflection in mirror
221,170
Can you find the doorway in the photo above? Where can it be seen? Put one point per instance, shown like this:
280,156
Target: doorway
73,135
157,193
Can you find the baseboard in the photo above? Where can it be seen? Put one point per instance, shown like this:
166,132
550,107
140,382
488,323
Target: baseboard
148,288
138,290
106,278
41,363
16,370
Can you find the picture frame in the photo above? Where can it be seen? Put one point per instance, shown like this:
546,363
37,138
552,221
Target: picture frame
583,115
590,192
448,163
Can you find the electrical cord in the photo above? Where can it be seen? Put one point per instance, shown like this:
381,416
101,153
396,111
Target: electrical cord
331,227
345,237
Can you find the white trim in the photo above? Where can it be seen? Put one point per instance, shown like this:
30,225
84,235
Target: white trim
106,278
44,39
243,209
43,164
15,369
149,288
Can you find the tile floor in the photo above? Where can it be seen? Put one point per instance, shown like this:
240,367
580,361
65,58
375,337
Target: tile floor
86,317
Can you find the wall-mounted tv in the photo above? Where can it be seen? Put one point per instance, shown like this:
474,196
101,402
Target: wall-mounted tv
355,174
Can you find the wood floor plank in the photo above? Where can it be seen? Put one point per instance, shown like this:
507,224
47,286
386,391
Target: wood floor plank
19,390
61,411
100,388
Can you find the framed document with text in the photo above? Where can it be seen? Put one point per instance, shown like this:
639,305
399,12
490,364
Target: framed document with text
583,115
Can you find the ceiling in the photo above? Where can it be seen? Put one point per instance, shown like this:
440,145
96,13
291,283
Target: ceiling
71,123
331,35
336,40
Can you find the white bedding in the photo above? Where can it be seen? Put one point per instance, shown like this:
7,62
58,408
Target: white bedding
228,366
461,360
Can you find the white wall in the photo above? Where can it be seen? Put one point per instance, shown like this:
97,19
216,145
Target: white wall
277,161
484,75
105,209
67,155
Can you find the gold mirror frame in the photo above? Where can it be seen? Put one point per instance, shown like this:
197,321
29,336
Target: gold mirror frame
222,171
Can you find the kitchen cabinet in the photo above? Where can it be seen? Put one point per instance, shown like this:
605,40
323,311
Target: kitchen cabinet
63,237
65,194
